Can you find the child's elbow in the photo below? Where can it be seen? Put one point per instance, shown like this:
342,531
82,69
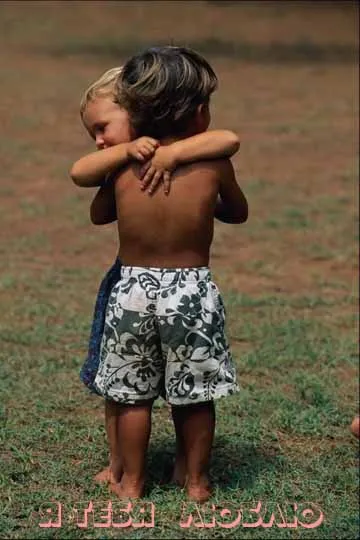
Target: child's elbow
234,142
97,219
243,215
75,175
237,220
100,215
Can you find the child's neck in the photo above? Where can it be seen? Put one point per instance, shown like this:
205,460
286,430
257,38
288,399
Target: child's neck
169,140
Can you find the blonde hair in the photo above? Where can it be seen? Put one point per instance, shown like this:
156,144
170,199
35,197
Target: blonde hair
162,87
103,87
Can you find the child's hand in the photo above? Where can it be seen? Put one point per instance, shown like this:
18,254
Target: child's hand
142,149
158,169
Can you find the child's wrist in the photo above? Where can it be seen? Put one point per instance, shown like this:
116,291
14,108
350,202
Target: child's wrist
176,157
128,151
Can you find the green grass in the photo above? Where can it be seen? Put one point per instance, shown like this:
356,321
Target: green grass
288,276
283,439
279,441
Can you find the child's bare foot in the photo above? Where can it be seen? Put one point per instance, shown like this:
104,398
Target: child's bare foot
126,489
106,476
199,491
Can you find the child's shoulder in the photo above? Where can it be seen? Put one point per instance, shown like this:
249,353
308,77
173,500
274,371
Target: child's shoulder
212,170
199,175
208,166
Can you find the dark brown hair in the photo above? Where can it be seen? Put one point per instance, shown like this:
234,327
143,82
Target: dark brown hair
162,87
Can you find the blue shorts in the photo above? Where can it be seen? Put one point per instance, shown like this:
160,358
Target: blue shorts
91,364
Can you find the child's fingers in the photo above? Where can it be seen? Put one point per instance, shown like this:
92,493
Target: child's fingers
167,182
145,152
148,149
150,144
155,181
153,142
144,169
147,178
138,155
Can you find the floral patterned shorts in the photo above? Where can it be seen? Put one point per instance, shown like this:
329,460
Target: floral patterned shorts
164,328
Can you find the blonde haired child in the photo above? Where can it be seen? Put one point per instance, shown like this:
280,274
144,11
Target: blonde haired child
104,86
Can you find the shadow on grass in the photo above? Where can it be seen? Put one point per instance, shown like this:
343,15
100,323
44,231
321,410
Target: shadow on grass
234,467
239,467
274,52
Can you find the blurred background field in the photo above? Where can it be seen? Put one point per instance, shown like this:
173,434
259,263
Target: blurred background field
289,86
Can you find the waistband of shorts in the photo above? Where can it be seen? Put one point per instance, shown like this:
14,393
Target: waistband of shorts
197,273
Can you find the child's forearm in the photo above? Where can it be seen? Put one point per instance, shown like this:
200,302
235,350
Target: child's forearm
92,169
208,145
103,206
232,205
222,213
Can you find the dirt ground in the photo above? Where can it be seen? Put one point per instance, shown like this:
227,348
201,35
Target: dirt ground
288,75
296,119
288,86
296,115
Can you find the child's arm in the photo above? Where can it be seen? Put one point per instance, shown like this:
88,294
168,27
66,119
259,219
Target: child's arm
103,206
92,169
207,145
232,206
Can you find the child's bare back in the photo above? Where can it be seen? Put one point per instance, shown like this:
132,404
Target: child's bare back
174,230
165,328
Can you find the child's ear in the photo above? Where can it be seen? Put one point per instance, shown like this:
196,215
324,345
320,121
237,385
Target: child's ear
203,108
203,116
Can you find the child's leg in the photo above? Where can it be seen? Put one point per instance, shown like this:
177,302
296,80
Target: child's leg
112,412
179,472
197,425
113,472
134,426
